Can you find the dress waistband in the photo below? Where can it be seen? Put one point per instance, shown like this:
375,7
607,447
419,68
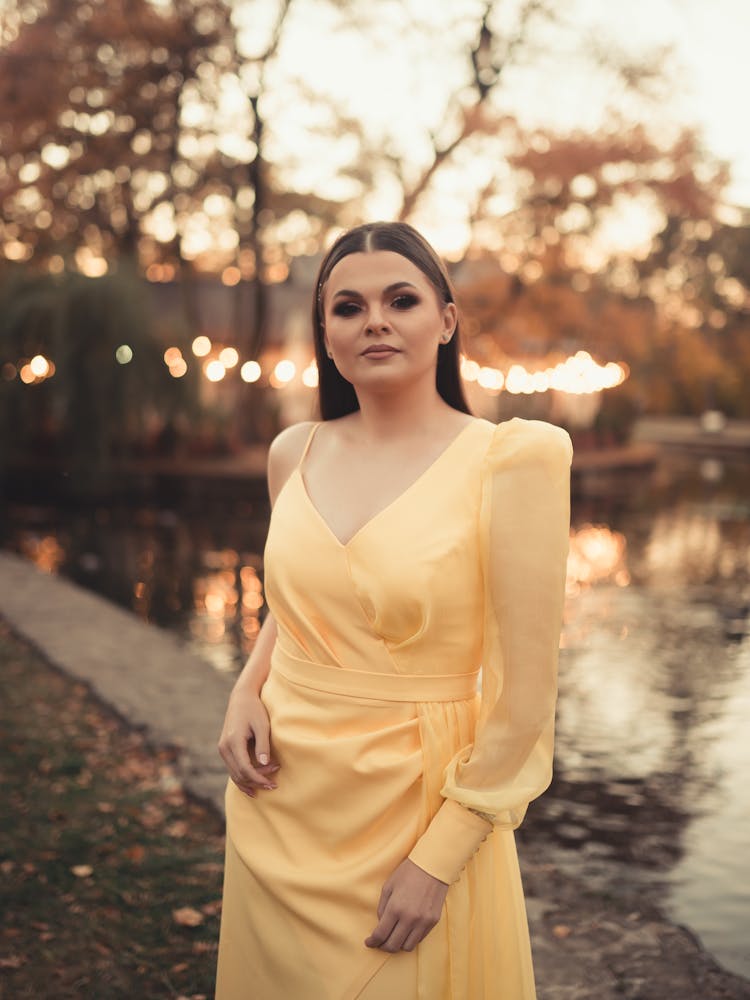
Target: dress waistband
378,686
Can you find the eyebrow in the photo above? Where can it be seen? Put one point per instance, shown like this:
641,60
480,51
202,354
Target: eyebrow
348,292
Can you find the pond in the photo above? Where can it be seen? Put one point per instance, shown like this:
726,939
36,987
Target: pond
652,779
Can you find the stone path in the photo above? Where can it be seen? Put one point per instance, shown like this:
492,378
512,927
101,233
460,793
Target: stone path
148,675
586,947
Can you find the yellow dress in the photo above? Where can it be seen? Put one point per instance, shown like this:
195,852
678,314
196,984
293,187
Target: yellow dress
384,741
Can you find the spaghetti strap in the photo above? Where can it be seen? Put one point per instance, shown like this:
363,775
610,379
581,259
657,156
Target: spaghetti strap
308,442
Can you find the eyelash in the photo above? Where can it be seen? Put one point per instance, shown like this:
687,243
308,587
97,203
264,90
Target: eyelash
347,309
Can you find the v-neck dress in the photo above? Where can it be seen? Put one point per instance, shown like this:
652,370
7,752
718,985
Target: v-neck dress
411,696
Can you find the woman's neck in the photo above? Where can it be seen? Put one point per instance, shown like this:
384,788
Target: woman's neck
400,414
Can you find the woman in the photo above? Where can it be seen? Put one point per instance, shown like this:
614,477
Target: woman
373,792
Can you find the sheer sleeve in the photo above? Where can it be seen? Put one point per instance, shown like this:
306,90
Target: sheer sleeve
524,525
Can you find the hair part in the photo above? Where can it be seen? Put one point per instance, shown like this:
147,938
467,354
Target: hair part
336,395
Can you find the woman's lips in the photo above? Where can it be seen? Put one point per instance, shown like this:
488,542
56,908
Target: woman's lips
381,352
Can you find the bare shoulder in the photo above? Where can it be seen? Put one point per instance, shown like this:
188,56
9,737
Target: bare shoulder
284,453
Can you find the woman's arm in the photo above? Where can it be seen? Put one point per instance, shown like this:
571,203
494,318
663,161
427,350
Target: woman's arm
246,722
254,673
524,531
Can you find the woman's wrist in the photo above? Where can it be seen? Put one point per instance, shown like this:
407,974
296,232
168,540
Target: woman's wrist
247,684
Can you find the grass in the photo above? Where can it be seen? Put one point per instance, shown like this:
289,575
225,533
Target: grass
110,874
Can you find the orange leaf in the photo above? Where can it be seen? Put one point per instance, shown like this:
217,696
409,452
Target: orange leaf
186,916
203,947
13,962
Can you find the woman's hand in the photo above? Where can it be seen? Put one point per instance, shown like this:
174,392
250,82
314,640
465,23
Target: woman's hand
410,905
246,722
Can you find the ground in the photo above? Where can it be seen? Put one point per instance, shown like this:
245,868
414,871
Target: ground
111,874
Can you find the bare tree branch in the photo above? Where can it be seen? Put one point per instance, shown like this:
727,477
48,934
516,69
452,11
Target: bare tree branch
487,73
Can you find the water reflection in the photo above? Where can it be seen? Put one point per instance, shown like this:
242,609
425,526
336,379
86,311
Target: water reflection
715,842
170,568
597,555
227,600
44,551
696,544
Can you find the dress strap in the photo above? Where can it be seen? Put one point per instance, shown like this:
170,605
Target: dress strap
308,442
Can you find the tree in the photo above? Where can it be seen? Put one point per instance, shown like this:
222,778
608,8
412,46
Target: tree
671,309
94,410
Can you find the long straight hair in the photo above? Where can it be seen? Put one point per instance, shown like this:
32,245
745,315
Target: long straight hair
336,395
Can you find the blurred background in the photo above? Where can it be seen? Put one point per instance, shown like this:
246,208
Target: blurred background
171,172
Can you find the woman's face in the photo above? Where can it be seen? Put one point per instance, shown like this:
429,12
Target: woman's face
381,298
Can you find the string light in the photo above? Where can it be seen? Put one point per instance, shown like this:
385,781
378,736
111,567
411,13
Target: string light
578,374
250,371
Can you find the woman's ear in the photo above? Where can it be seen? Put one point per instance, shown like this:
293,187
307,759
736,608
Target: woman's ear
450,318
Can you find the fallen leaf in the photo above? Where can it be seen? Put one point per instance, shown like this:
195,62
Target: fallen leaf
202,947
180,967
13,962
153,817
136,853
82,871
561,931
211,909
210,867
186,916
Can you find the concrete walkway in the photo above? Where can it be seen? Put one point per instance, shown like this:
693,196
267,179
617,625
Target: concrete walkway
146,674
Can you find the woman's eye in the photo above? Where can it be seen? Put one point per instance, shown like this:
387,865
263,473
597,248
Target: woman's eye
345,309
405,301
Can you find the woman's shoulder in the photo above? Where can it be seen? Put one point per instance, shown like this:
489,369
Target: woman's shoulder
519,441
285,453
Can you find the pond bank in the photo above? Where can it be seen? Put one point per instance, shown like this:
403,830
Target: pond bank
241,474
589,945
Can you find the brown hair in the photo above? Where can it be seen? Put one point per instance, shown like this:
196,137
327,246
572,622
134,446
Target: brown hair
336,395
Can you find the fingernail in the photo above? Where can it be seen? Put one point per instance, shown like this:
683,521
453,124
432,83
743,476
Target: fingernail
263,758
270,787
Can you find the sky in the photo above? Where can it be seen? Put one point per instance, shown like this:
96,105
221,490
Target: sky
396,71
712,43
395,77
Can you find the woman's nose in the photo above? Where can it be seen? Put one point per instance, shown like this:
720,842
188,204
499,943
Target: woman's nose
376,318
